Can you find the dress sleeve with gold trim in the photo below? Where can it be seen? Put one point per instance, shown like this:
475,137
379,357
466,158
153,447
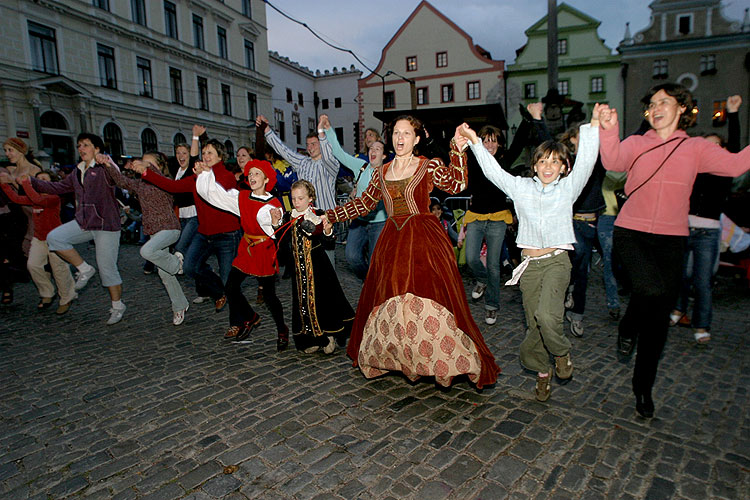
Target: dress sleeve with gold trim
361,205
451,178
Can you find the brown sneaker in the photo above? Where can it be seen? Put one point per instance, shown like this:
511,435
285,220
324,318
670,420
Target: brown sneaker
232,332
220,303
543,389
563,367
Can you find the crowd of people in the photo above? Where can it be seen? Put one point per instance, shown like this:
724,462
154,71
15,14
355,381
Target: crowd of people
277,207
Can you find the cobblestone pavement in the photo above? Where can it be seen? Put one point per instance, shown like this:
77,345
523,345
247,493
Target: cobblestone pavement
147,410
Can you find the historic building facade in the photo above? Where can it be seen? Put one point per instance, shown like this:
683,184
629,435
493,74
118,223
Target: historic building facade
300,96
588,72
692,43
432,68
139,73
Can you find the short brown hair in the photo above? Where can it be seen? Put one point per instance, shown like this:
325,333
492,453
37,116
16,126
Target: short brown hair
547,148
221,150
683,97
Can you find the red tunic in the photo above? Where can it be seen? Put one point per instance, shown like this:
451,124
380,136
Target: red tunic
256,254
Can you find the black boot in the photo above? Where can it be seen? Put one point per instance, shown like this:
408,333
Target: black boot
644,405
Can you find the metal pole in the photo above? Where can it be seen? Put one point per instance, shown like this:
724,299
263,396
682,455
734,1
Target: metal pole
551,44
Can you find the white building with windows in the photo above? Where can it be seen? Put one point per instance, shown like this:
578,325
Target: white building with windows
300,96
431,68
139,73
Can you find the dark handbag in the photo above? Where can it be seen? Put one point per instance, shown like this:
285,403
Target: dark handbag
620,194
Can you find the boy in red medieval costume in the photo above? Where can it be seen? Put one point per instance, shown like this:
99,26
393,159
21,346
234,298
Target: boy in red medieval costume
256,255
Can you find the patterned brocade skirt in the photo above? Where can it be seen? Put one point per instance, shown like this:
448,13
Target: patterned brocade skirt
412,315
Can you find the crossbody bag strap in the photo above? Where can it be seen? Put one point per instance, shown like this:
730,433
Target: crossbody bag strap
659,167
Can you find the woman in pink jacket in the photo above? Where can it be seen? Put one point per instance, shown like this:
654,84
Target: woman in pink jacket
652,227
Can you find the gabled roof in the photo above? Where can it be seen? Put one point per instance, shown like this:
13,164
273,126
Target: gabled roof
539,27
424,4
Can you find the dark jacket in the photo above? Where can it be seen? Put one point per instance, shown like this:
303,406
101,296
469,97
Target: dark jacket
96,207
710,192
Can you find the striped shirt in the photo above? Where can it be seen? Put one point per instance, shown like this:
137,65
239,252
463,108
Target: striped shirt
321,173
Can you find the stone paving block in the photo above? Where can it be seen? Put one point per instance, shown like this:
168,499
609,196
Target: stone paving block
460,471
168,492
221,486
506,470
199,475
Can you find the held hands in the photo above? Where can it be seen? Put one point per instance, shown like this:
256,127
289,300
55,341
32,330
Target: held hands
200,167
607,117
136,166
324,122
595,114
275,216
466,132
261,122
327,226
733,103
102,159
535,109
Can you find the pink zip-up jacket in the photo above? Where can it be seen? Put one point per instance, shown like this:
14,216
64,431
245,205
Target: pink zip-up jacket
661,205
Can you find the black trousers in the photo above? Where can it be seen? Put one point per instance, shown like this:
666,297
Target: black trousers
239,308
653,263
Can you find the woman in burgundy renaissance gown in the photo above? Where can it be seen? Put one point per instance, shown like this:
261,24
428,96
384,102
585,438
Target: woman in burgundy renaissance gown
412,314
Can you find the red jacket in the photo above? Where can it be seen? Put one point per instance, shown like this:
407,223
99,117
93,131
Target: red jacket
211,220
46,215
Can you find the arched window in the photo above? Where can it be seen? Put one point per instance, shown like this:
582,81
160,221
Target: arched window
54,120
179,139
113,140
149,141
230,148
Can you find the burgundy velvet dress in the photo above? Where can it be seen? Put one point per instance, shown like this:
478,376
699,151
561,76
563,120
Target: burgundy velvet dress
412,314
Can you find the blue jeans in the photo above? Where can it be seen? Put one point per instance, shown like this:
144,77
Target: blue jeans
493,232
698,271
360,243
107,245
580,260
605,227
224,246
189,228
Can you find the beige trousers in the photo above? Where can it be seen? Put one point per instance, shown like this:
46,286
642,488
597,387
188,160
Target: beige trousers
39,255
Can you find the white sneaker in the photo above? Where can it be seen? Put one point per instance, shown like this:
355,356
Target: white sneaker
478,291
569,300
179,316
331,346
200,300
115,314
311,350
576,325
83,277
491,317
182,261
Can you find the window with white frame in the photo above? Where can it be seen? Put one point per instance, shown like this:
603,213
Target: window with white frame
563,86
446,92
597,84
411,63
43,44
472,91
661,68
529,90
441,59
422,96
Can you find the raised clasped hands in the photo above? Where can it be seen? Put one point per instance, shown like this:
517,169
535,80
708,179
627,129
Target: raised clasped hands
733,103
275,216
464,133
607,117
200,167
136,166
535,109
324,122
